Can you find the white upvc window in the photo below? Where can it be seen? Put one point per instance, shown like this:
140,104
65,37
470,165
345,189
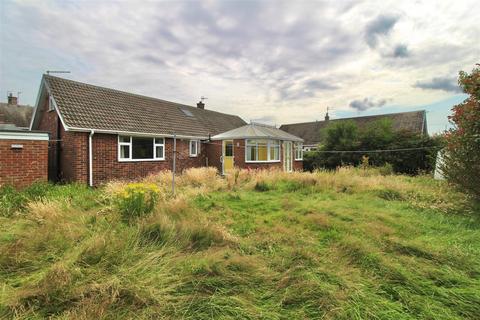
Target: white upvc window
132,148
257,150
298,151
194,148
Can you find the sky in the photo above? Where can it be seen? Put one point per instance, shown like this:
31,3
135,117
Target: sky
275,62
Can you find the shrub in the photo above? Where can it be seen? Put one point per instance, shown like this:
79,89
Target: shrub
137,199
386,169
461,164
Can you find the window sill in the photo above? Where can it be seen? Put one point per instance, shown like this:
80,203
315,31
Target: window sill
140,160
193,156
298,159
272,161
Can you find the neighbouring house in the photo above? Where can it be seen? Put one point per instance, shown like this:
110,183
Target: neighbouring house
99,134
313,133
255,146
23,157
14,116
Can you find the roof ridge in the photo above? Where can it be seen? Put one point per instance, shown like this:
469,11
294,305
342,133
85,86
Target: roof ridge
136,95
368,116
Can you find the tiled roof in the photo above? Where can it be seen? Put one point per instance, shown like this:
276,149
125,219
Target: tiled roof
91,107
17,115
256,131
312,132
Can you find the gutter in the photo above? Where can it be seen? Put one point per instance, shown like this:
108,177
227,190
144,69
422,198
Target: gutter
90,159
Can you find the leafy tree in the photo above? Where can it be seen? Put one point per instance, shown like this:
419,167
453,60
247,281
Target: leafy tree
461,164
377,135
341,135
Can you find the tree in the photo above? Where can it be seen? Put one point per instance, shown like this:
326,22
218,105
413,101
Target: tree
341,136
461,164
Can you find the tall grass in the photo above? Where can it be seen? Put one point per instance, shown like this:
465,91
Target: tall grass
349,244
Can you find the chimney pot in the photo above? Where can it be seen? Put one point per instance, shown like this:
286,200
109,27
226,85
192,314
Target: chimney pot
12,100
200,105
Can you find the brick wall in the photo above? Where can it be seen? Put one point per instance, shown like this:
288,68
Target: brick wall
22,167
107,167
67,150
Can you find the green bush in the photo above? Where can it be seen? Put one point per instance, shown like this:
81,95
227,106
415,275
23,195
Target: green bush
137,199
386,169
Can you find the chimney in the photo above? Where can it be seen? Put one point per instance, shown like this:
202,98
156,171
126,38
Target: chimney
12,101
327,117
200,105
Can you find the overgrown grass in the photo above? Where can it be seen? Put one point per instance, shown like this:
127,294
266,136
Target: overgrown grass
351,244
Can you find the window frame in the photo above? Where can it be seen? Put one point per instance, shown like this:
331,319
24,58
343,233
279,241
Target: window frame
130,145
270,143
197,148
298,146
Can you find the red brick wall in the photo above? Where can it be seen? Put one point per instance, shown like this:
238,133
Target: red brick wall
22,167
214,152
107,167
73,148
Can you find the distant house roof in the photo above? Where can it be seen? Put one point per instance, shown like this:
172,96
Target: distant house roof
312,132
84,107
256,131
15,115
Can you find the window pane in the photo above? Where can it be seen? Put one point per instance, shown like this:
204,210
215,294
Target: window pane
275,153
251,154
229,150
142,148
262,152
159,141
193,147
159,152
250,142
124,139
124,152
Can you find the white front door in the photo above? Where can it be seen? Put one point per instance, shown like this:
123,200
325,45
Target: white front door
287,156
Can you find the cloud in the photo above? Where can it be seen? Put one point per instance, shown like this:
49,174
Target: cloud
367,103
447,84
250,58
380,26
400,51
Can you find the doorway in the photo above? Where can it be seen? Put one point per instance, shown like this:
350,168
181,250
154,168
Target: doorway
227,156
287,156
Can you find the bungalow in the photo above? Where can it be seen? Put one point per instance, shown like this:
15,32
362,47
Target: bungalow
99,134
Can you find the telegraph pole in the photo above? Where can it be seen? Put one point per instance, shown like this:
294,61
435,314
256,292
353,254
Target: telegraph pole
174,162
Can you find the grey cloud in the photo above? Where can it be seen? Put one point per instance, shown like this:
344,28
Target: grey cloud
400,51
306,89
366,103
378,27
440,83
149,58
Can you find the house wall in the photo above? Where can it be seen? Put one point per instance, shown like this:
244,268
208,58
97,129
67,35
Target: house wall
107,167
22,167
67,150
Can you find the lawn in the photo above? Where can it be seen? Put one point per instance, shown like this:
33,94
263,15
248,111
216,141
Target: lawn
351,244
